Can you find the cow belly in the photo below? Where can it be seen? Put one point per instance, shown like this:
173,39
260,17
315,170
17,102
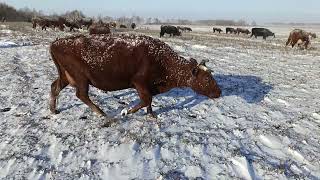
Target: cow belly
111,83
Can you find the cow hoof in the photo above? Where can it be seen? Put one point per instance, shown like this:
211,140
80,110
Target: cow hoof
154,116
124,112
55,111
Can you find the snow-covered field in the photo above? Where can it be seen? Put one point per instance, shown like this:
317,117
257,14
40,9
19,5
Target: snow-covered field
266,125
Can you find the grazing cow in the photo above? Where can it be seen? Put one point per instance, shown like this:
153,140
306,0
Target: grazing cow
184,29
133,25
187,29
121,61
113,24
216,29
123,26
230,30
99,29
41,22
45,23
261,32
57,23
242,30
167,29
72,25
86,23
298,34
34,22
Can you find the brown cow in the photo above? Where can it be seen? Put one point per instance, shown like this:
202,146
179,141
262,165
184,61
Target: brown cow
99,29
113,24
298,34
86,23
35,21
242,30
72,25
121,61
45,23
58,23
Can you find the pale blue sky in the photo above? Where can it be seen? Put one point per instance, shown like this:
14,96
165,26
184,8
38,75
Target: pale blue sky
259,10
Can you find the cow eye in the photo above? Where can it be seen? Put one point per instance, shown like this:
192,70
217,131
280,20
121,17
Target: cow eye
207,79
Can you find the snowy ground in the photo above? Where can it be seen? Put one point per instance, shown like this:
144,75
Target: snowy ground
266,125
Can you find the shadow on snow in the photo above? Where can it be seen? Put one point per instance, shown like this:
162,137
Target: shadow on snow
250,88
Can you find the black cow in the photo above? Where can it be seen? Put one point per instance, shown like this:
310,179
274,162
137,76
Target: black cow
123,26
133,25
230,30
172,30
216,29
187,29
261,32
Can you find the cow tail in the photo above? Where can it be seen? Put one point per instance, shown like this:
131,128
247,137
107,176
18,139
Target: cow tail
55,62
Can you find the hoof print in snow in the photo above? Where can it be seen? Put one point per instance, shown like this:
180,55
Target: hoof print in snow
83,117
121,102
5,110
173,175
109,122
192,115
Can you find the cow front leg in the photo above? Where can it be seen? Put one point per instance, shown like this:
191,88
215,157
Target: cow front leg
150,111
145,98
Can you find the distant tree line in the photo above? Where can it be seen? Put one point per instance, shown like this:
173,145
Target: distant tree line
11,14
26,14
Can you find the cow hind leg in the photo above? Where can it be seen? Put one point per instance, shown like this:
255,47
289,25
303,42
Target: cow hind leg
56,87
82,93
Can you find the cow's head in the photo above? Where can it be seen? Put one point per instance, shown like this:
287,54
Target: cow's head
202,82
272,34
178,33
313,35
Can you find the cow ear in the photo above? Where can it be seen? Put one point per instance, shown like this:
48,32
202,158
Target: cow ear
193,61
195,71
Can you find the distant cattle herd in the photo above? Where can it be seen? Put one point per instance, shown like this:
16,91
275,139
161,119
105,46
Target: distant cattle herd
61,23
101,27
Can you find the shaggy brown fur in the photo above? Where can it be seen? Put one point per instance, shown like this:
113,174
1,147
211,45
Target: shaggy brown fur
298,34
99,29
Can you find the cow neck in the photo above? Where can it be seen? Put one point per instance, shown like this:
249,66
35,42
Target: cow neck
181,77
